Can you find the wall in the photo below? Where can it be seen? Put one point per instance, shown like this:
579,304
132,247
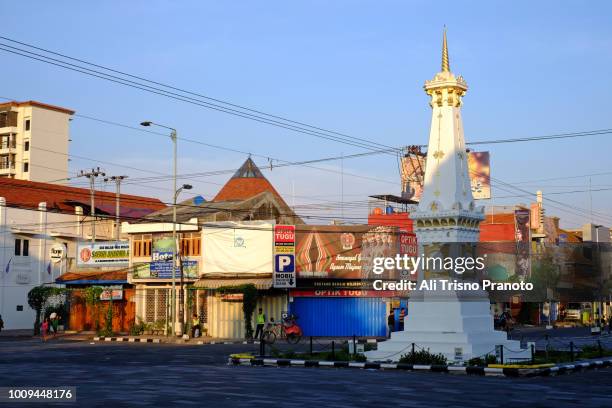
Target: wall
83,316
49,134
226,319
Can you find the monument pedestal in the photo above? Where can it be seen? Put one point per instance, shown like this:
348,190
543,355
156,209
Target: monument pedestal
460,329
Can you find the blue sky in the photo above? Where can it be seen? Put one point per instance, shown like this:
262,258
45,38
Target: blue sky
357,67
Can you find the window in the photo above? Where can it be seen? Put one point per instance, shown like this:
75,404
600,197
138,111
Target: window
190,244
22,247
26,146
27,125
141,245
26,167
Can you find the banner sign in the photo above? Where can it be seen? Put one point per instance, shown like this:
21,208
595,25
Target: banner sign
104,253
523,243
111,292
413,174
346,251
346,293
284,256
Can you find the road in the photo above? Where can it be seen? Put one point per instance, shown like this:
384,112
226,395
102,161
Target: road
121,374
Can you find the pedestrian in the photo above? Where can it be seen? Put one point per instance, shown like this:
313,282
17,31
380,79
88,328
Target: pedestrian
402,317
195,326
54,322
45,329
1,323
391,322
261,322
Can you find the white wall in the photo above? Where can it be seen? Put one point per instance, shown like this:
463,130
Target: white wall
232,247
26,272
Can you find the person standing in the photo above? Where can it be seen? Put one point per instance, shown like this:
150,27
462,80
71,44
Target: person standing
195,325
44,328
1,323
261,321
54,322
402,317
391,322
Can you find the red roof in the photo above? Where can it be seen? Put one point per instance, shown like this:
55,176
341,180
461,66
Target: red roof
28,194
247,182
68,277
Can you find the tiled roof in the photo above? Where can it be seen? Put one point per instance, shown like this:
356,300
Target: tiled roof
100,276
247,182
28,194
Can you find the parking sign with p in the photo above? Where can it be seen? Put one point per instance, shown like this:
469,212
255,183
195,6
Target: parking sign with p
284,263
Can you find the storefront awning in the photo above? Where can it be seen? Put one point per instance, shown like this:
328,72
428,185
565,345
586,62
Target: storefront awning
215,283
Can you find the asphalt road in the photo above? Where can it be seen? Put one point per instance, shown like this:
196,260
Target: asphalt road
121,374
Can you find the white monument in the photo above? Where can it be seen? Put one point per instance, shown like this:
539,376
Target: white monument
458,324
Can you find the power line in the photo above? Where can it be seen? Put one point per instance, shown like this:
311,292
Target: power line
349,140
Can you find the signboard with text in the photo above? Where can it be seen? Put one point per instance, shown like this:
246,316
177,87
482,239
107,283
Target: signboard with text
103,253
284,256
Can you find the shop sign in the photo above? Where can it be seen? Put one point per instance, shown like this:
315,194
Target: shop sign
104,253
284,256
111,292
232,297
56,253
344,293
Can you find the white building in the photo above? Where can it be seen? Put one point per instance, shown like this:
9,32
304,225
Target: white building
36,218
34,140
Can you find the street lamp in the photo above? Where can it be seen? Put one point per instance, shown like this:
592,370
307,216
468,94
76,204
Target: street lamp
176,192
181,291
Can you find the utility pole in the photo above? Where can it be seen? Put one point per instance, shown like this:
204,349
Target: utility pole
91,175
117,180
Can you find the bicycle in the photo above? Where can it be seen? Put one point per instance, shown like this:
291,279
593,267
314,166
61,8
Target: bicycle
288,329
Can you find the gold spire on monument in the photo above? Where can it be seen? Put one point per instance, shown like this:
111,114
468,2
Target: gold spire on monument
445,63
445,88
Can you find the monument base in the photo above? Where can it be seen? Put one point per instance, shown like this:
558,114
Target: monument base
460,330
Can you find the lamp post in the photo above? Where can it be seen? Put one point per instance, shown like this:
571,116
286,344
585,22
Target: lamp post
173,294
181,313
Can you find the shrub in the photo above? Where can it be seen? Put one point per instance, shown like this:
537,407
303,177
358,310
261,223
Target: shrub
482,362
423,356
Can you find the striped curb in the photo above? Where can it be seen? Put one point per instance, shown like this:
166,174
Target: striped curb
228,342
128,339
485,371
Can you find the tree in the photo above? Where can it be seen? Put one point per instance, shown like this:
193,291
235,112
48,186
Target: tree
92,299
37,299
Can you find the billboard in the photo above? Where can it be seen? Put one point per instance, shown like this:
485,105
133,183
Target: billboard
523,242
343,252
413,174
103,253
238,247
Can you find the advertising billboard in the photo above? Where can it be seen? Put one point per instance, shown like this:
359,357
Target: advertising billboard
413,173
523,243
238,247
343,252
103,253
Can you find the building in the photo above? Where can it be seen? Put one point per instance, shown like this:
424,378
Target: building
246,207
34,141
42,224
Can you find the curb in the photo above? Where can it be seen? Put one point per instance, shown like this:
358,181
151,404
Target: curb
128,339
227,342
484,371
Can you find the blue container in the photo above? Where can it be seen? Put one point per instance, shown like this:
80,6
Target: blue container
341,317
389,210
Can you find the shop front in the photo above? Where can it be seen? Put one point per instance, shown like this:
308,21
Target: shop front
335,294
